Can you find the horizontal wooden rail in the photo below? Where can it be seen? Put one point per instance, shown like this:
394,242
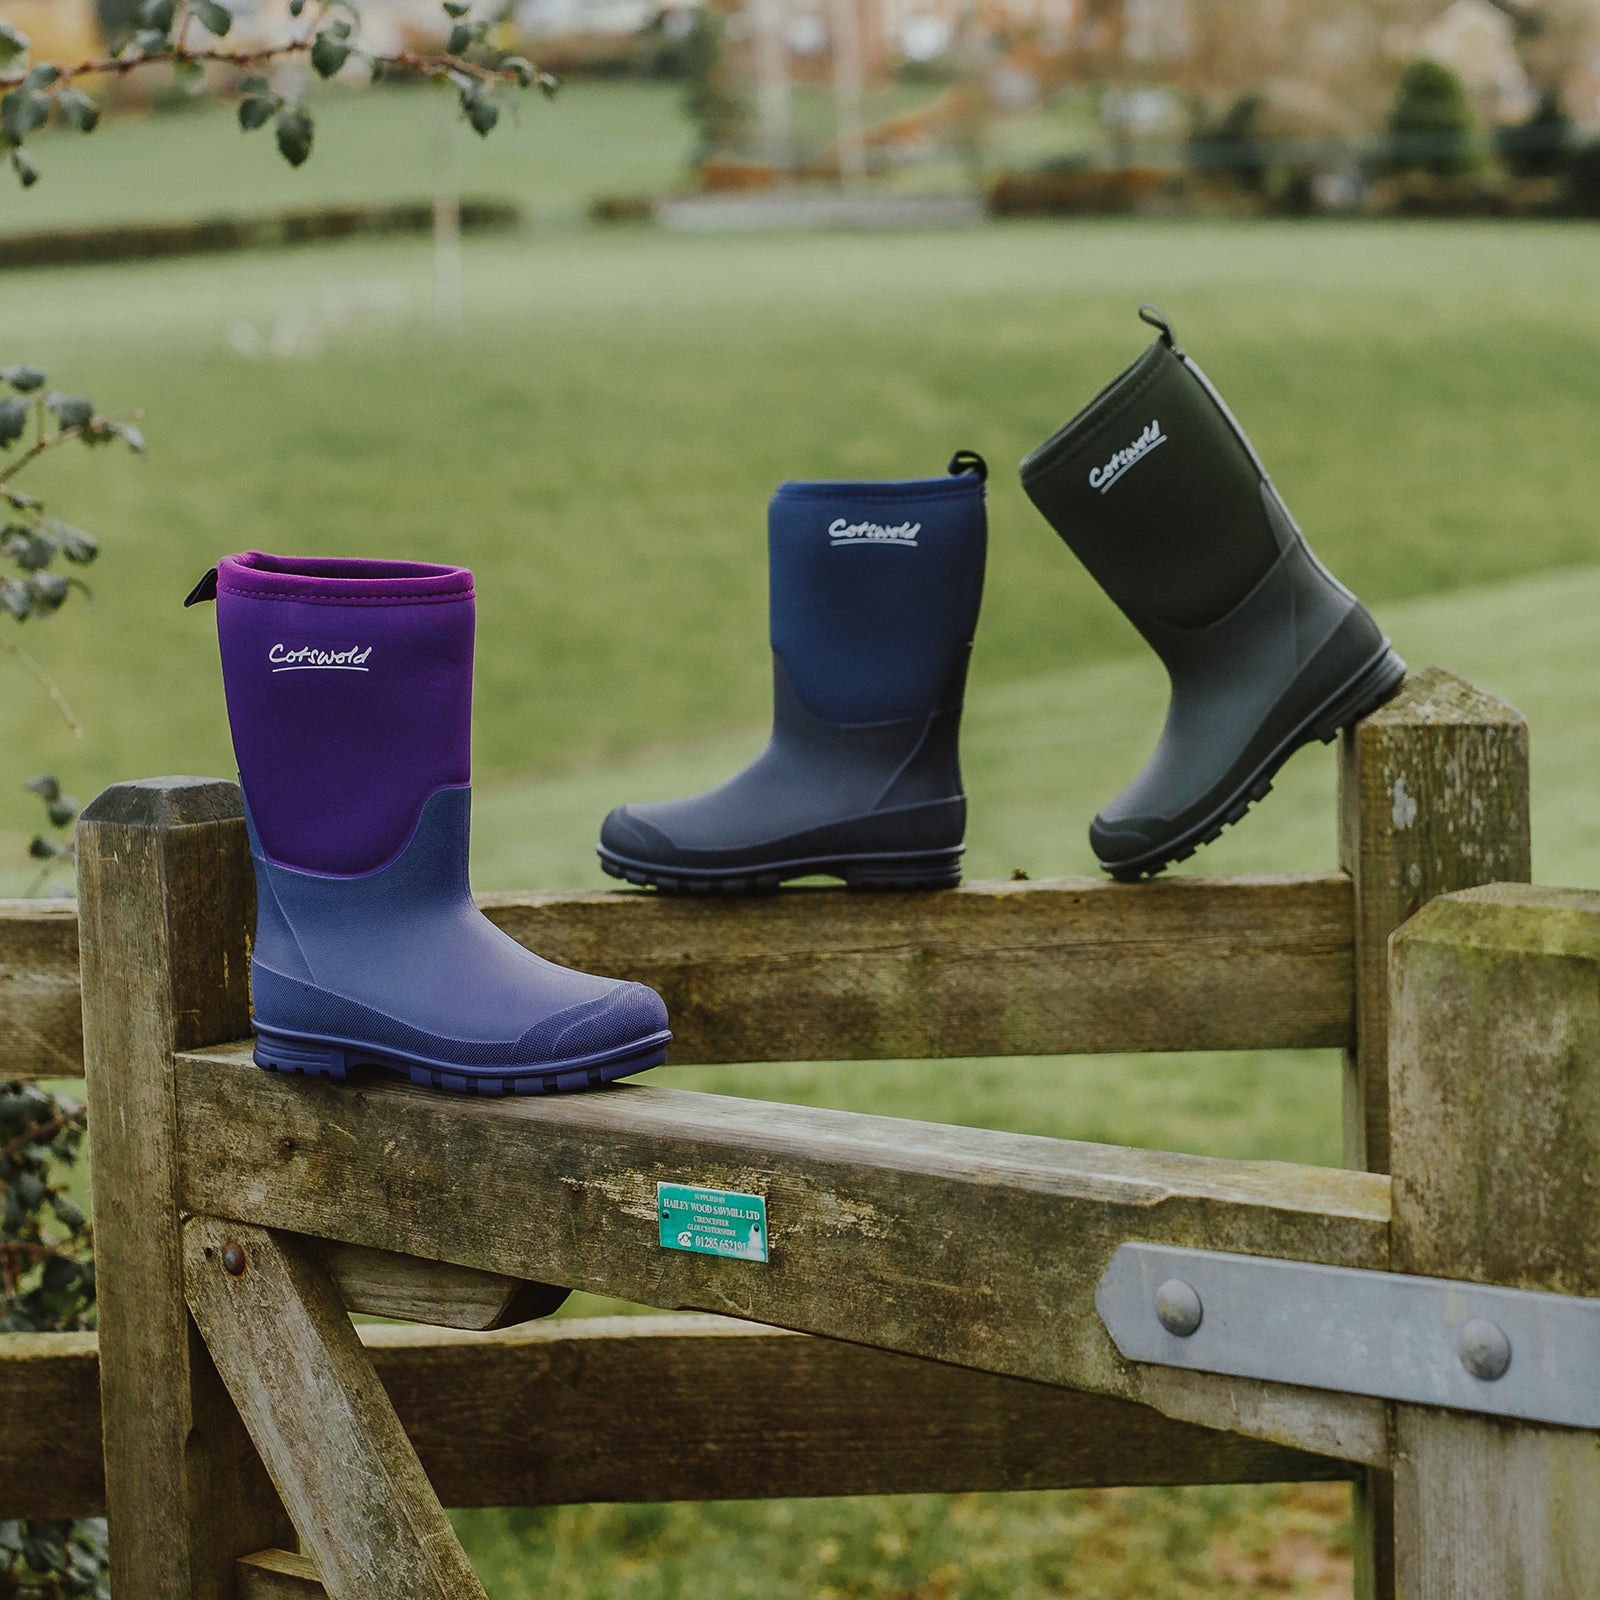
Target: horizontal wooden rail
637,1408
980,1249
1050,968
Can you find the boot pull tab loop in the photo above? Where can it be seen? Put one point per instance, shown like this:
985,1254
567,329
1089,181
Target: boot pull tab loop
206,589
968,461
1157,319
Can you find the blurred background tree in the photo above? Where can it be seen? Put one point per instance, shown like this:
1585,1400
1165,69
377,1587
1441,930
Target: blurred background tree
1433,123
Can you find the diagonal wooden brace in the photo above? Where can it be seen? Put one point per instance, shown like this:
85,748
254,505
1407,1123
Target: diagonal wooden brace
290,1357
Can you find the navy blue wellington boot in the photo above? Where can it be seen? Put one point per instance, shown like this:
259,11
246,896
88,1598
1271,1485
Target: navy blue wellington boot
874,593
349,688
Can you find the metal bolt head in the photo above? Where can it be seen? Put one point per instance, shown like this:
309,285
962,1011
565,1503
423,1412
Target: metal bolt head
1485,1350
1178,1307
234,1260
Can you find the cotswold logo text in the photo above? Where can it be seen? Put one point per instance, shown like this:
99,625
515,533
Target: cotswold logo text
1102,478
900,533
311,658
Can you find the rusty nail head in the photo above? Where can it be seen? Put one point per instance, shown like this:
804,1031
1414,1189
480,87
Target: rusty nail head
234,1260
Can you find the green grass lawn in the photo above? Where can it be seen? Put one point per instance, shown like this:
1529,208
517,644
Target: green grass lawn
599,444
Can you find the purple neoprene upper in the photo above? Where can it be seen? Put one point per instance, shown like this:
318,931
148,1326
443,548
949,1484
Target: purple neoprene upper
349,687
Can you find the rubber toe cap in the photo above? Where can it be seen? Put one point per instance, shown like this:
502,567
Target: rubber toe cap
629,1015
1126,839
626,833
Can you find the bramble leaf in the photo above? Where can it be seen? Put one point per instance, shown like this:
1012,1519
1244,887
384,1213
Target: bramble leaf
12,43
13,420
72,410
257,111
216,18
75,107
295,134
328,55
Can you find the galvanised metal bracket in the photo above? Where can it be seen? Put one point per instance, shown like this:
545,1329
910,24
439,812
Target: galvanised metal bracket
1431,1341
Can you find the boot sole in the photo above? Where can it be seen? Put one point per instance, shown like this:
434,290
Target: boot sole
934,869
1375,684
338,1058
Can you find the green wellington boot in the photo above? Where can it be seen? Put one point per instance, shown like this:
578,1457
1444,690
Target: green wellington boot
1157,491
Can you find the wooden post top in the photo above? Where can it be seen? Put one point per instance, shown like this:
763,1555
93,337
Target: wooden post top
166,803
1523,919
1435,697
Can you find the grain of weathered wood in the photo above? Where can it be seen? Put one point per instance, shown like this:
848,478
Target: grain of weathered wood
1433,796
725,1410
41,1017
278,1575
977,1248
1495,1082
50,1462
291,1359
607,1409
166,898
989,969
1045,968
384,1284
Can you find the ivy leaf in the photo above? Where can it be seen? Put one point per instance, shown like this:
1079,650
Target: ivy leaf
47,786
548,86
215,18
457,8
22,500
75,107
295,133
483,113
254,84
131,436
13,420
14,597
42,76
257,111
522,67
23,378
296,7
460,40
61,813
158,14
72,410
67,1212
26,169
21,112
328,55
12,45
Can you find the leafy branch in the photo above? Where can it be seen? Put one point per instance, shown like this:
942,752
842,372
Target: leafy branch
30,539
330,39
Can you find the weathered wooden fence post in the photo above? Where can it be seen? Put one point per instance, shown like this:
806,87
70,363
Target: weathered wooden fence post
1495,1074
166,901
1433,797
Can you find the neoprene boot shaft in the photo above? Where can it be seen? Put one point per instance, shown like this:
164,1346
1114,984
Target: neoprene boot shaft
874,595
349,689
1156,489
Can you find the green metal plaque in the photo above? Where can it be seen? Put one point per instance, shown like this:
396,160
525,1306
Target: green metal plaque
712,1222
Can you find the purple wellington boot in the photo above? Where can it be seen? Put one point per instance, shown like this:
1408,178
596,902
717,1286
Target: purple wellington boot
349,687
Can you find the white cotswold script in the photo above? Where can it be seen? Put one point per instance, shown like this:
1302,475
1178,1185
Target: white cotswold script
1102,478
900,533
311,658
